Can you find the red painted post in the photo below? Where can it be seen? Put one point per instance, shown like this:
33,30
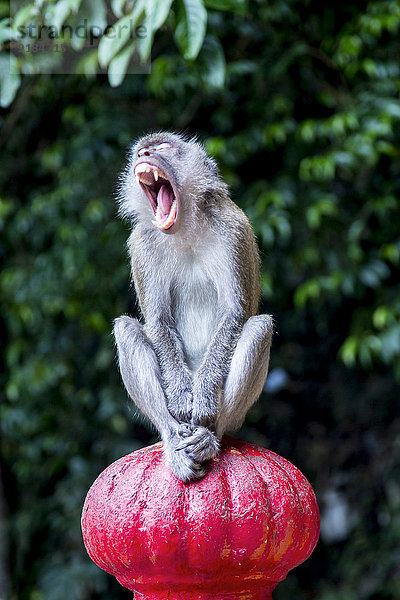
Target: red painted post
232,535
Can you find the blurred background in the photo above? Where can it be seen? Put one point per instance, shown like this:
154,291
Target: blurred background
298,101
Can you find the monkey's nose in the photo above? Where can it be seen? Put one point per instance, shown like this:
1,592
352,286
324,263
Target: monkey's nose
145,152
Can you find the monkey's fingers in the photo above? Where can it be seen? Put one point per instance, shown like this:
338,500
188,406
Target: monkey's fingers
201,446
185,430
193,442
190,441
182,446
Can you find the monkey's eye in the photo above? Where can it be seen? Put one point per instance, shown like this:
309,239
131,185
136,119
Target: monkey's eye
146,151
163,146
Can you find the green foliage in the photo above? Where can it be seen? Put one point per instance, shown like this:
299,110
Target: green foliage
126,33
191,27
299,103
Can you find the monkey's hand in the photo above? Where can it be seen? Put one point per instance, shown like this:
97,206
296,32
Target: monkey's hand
184,464
201,444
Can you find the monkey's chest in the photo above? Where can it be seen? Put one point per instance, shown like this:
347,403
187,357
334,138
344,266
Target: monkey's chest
196,315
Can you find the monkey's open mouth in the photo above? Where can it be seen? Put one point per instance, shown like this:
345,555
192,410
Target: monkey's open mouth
160,192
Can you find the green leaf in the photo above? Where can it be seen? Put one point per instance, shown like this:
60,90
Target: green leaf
373,273
75,4
10,79
119,64
215,65
156,13
92,14
118,7
57,14
365,354
308,290
307,130
97,12
25,15
115,39
191,28
348,351
370,67
391,343
391,253
138,15
6,33
236,6
321,208
380,316
88,65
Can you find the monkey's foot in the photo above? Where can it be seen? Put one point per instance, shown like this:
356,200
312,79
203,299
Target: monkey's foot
184,430
201,445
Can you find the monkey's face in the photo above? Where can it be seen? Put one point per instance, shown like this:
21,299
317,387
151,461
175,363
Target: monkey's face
173,176
155,174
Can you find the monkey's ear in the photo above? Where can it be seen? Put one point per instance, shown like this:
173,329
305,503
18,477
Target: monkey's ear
212,165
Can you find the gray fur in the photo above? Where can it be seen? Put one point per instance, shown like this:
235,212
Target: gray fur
201,358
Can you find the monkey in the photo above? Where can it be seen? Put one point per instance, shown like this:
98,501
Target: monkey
198,359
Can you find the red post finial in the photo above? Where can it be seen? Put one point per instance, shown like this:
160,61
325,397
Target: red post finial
236,533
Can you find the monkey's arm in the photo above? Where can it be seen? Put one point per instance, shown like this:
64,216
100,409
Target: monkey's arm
175,374
153,289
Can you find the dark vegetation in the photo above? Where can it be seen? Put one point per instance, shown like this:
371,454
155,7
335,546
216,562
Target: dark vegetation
299,103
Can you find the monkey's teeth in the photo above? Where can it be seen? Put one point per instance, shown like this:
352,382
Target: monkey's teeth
171,217
144,168
170,220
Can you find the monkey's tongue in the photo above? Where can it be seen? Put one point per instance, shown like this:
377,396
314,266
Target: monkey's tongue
166,207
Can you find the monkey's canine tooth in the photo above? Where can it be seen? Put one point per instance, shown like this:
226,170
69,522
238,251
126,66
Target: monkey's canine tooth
170,220
155,173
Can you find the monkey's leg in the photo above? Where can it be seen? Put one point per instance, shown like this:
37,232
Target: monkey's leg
141,375
243,385
247,374
175,374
